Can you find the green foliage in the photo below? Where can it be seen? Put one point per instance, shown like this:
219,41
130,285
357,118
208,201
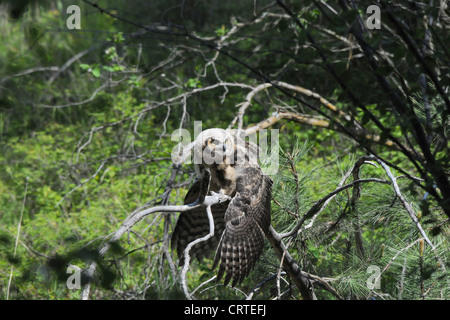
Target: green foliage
221,32
86,142
328,248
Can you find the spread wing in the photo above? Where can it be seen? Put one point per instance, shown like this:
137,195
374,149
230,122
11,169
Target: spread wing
247,219
194,224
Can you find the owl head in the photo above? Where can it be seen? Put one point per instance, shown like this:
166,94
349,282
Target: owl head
213,146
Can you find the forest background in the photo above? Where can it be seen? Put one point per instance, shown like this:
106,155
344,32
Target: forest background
359,90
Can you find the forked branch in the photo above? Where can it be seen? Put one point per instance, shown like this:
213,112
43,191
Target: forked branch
133,219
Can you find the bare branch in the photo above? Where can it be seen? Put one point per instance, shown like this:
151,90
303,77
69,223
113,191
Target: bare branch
29,71
317,207
395,257
135,218
290,266
78,103
187,257
405,203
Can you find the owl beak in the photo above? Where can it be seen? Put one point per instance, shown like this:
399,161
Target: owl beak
215,145
219,147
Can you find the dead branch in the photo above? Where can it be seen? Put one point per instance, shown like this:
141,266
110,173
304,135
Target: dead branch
317,207
134,219
290,266
356,128
187,257
410,211
317,122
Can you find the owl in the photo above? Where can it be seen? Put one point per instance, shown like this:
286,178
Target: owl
240,223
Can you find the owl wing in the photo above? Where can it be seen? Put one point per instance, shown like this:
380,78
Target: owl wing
247,219
194,224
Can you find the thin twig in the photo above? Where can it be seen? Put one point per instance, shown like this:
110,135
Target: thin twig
318,205
395,257
405,203
135,218
17,238
187,257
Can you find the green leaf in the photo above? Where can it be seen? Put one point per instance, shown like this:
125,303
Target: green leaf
84,66
221,32
108,68
193,83
96,72
116,67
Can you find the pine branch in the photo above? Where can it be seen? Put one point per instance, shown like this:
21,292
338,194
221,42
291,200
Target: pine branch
317,207
290,266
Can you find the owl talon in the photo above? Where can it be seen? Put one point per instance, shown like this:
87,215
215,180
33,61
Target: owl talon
222,197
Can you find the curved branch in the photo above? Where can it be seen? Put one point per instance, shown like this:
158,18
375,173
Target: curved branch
317,207
187,257
135,218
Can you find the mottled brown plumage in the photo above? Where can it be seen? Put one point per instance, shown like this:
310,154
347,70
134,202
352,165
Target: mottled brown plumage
240,223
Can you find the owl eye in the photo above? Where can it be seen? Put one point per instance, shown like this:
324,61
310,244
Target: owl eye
213,141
